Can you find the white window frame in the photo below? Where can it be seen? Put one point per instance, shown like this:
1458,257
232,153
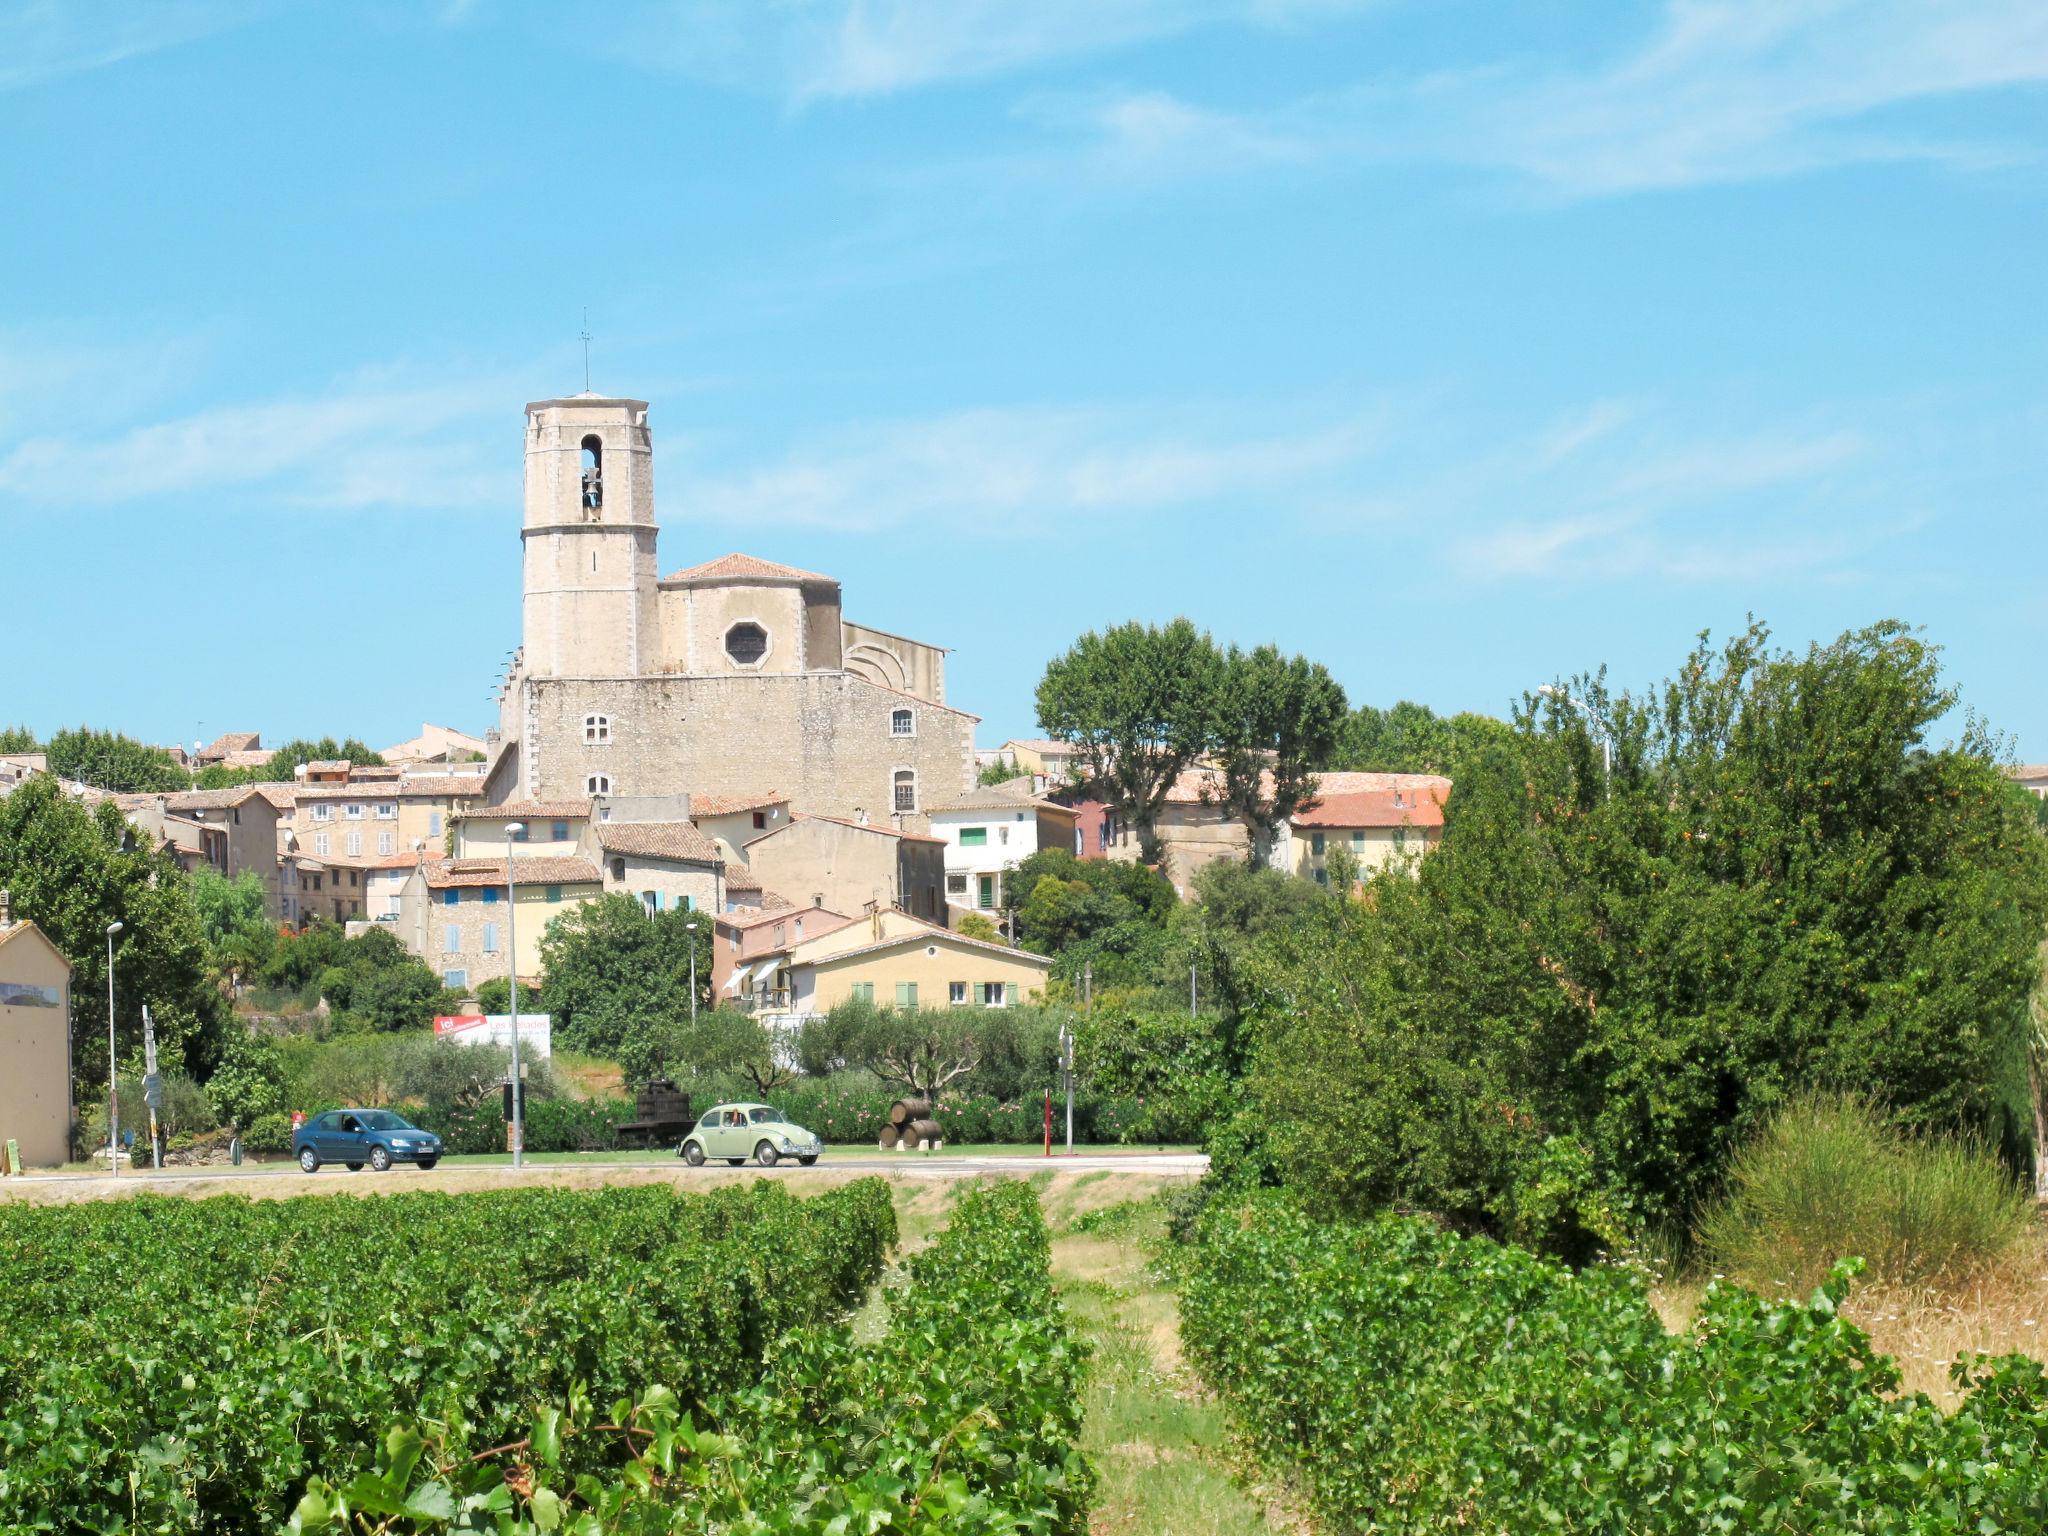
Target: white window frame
323,812
597,784
320,844
597,730
353,810
386,809
956,993
895,774
902,722
387,842
355,844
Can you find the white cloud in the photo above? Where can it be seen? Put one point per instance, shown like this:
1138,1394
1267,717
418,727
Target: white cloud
360,445
43,39
997,471
857,48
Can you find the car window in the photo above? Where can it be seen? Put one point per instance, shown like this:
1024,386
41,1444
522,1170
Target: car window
764,1116
710,1120
384,1120
735,1117
348,1123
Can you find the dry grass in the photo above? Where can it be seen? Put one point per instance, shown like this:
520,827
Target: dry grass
1999,1311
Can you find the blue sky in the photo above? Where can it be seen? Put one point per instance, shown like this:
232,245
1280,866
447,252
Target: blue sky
1457,345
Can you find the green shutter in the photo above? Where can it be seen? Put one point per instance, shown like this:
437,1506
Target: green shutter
906,994
974,837
864,991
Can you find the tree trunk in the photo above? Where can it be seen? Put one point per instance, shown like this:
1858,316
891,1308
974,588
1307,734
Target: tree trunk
2035,1093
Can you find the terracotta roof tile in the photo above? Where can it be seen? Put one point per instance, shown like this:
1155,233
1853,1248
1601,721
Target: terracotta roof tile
658,840
1376,808
993,798
738,567
530,810
213,799
935,936
796,817
732,805
754,917
230,741
740,878
444,873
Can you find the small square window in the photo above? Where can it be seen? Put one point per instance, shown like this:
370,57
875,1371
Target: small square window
353,811
597,784
760,818
323,812
459,980
553,893
902,723
597,729
561,831
956,992
387,809
974,837
451,898
490,894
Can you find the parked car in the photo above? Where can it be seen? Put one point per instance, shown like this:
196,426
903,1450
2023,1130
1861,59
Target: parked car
353,1137
736,1132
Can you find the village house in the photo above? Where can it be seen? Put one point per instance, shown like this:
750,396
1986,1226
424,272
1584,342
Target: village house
436,744
748,948
851,866
733,821
455,913
1376,827
35,1041
990,831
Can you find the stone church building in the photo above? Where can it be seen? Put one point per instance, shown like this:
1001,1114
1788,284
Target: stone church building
732,677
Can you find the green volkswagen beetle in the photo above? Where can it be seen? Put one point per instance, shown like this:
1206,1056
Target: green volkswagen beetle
737,1132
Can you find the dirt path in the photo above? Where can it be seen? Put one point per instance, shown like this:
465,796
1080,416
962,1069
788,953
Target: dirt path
1158,1437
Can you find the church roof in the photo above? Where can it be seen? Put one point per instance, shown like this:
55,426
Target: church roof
737,567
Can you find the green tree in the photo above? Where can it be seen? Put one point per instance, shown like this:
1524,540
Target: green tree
1412,738
996,773
371,978
72,871
249,1080
301,750
234,919
612,972
973,925
110,761
1275,720
17,738
1781,885
1138,703
723,1042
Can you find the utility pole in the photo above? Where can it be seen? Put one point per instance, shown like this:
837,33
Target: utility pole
513,832
690,923
1192,1010
1067,1067
113,1082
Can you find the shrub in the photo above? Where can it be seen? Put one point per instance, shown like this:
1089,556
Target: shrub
1829,1176
269,1133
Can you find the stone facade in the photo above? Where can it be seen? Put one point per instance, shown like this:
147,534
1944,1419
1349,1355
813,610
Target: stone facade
35,1042
851,868
728,678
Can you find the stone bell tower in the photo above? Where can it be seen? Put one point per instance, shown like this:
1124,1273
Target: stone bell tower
589,539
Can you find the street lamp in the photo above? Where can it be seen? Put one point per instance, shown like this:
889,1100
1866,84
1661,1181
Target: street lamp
691,924
513,832
1548,691
113,1083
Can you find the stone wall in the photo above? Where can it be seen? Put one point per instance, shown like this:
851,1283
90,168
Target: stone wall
822,738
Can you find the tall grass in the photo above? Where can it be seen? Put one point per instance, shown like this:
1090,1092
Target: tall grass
1832,1176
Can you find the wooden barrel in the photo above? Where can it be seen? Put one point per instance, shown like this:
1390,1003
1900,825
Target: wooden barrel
889,1137
923,1133
904,1111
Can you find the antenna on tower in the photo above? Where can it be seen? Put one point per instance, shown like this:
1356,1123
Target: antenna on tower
586,349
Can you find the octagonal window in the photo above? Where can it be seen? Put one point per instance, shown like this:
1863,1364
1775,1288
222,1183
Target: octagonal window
746,643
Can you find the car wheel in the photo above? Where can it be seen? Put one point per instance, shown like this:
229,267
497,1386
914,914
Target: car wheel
807,1161
693,1154
765,1155
309,1160
380,1159
428,1162
353,1167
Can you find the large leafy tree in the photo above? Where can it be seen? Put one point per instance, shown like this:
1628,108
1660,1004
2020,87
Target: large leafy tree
17,738
1413,738
1137,702
285,760
1275,720
372,978
1782,884
72,871
108,760
613,974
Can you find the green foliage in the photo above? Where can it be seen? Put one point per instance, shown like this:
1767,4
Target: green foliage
406,1067
1274,721
294,753
718,1043
234,919
829,1440
991,774
615,975
111,761
18,738
372,977
269,1133
1174,1071
1782,886
1830,1175
72,871
1412,738
1416,1381
972,925
249,1082
253,1362
1138,702
1086,900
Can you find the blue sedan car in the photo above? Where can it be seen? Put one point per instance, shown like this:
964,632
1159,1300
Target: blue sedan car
353,1137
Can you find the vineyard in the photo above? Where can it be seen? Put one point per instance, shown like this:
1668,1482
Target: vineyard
1419,1381
172,1365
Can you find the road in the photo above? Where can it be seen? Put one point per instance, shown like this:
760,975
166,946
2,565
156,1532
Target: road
596,1170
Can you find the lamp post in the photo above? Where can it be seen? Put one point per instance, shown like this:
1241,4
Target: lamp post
1549,691
113,1082
513,832
690,923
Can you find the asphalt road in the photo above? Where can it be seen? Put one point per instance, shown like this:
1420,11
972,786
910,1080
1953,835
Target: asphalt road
934,1165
